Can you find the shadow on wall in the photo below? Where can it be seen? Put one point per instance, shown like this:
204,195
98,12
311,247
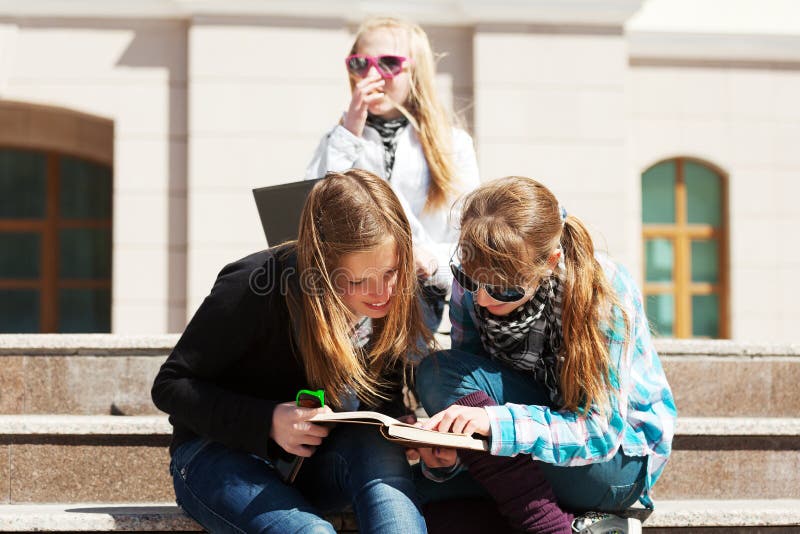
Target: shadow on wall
149,53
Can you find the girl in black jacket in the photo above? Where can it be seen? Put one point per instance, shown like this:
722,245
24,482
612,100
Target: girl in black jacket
335,310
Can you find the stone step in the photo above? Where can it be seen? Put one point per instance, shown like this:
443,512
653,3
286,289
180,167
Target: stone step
95,374
729,516
80,458
728,379
733,458
89,374
125,459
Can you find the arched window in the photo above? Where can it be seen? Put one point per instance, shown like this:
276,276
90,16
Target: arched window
55,220
684,228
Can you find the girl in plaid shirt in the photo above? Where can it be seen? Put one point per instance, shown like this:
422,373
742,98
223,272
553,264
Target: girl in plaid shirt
553,361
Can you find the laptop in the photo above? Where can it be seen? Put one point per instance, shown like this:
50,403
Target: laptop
279,207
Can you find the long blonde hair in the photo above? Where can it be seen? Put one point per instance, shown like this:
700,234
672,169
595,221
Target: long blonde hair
349,212
509,229
423,108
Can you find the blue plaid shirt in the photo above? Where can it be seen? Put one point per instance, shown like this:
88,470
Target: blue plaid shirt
642,415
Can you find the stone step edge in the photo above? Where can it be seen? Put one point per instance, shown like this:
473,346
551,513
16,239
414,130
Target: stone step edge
87,344
168,517
83,425
95,517
724,513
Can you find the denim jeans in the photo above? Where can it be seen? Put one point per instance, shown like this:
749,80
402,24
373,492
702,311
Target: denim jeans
232,491
446,376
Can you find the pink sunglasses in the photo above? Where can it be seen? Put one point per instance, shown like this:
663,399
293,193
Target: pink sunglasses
388,66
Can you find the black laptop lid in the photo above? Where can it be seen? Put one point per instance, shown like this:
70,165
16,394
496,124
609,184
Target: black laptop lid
279,207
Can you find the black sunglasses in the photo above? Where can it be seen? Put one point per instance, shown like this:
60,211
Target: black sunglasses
498,293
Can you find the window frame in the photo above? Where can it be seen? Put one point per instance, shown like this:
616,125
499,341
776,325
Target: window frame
681,234
49,282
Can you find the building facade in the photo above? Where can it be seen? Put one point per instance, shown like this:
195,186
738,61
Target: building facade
132,134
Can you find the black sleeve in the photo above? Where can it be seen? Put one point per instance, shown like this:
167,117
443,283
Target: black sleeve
395,405
218,335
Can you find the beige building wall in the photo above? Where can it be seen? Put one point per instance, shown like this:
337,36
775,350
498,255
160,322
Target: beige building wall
133,72
721,83
747,122
262,93
550,104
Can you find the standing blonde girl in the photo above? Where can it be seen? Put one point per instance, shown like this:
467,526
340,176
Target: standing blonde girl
396,127
334,310
552,359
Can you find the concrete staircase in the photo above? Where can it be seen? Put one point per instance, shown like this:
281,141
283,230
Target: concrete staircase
68,465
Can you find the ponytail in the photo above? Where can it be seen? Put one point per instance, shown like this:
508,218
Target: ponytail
588,303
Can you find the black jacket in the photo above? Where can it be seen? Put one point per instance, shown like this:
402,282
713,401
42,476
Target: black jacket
236,360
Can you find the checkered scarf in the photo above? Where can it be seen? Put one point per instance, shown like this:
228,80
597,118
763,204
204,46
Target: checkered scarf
389,130
530,337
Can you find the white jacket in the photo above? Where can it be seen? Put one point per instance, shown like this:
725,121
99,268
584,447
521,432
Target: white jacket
435,230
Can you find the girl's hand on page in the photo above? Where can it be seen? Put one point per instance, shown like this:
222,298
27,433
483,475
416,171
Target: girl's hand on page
291,430
461,420
365,91
438,456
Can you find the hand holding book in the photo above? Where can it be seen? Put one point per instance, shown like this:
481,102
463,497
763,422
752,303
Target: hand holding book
291,430
432,456
437,457
458,419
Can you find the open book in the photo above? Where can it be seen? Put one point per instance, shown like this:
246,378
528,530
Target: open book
403,433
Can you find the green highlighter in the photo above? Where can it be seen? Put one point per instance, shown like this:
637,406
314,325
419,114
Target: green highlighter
310,399
288,468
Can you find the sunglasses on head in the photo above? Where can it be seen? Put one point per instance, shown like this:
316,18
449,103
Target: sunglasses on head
388,66
498,293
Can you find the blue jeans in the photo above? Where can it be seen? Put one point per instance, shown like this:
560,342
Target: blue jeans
446,376
232,491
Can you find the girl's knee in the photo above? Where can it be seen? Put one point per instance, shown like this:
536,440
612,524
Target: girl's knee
386,459
375,458
363,448
437,377
432,370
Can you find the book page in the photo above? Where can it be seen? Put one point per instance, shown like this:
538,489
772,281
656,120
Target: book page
356,417
416,437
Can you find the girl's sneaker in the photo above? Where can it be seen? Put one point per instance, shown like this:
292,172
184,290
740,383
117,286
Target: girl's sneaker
602,523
